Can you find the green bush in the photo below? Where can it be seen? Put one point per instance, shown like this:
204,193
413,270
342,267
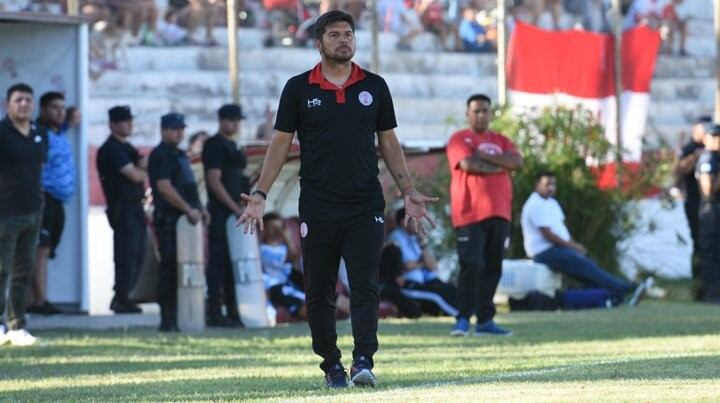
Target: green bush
565,141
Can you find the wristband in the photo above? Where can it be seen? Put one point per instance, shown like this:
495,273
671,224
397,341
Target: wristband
261,193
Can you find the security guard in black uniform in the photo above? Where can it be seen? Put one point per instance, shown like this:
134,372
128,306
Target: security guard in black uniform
708,174
122,173
224,165
174,194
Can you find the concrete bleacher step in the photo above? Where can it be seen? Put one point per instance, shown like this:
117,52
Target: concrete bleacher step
682,67
161,84
296,60
690,89
148,133
156,84
700,40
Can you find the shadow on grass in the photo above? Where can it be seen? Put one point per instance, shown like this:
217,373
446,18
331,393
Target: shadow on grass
268,387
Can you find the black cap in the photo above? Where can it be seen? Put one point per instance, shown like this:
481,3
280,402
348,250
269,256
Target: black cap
714,130
120,113
172,120
230,112
703,120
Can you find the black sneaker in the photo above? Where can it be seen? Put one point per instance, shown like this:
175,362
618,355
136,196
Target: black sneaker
361,372
34,309
336,377
125,308
49,309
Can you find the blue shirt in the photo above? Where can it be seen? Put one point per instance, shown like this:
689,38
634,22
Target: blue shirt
468,32
276,269
58,176
411,252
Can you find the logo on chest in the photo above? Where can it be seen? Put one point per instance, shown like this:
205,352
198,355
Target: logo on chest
314,103
365,98
490,148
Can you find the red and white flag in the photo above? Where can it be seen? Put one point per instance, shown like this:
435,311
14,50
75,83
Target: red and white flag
577,67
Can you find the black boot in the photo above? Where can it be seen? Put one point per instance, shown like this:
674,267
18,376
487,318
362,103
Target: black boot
168,318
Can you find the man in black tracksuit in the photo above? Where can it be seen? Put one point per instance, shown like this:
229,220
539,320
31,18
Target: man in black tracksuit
122,173
685,172
336,109
224,163
174,194
708,175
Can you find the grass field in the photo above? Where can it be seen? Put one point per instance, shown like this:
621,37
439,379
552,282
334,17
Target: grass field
657,351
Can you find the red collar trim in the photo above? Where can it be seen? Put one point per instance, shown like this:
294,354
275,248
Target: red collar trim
316,77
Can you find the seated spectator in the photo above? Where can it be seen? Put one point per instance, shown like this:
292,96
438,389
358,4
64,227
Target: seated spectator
676,25
472,34
15,5
537,7
591,13
646,12
548,241
352,7
169,31
395,16
136,17
193,13
392,282
421,280
432,17
279,260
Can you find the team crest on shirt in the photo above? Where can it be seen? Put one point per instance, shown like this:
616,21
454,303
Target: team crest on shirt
365,98
303,230
490,148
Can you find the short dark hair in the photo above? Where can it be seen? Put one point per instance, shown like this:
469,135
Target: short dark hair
544,173
399,216
19,87
48,97
196,136
332,17
479,97
271,216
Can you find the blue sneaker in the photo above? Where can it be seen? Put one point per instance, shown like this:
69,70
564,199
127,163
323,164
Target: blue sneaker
462,327
361,372
336,378
489,328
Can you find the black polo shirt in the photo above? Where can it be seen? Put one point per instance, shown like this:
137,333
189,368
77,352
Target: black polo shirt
118,188
222,153
336,128
692,190
169,162
21,160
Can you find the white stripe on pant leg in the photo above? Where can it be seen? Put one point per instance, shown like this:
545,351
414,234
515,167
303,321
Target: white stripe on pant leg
290,291
432,297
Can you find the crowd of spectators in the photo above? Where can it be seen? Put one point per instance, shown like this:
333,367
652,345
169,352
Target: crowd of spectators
457,25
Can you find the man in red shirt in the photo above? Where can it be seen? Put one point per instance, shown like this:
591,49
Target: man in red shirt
481,201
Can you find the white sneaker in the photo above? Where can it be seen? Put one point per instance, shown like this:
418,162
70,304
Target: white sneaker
21,338
3,335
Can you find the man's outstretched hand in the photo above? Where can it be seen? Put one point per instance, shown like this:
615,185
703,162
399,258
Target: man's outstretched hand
415,210
251,218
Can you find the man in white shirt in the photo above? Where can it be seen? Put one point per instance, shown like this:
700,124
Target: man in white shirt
547,240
